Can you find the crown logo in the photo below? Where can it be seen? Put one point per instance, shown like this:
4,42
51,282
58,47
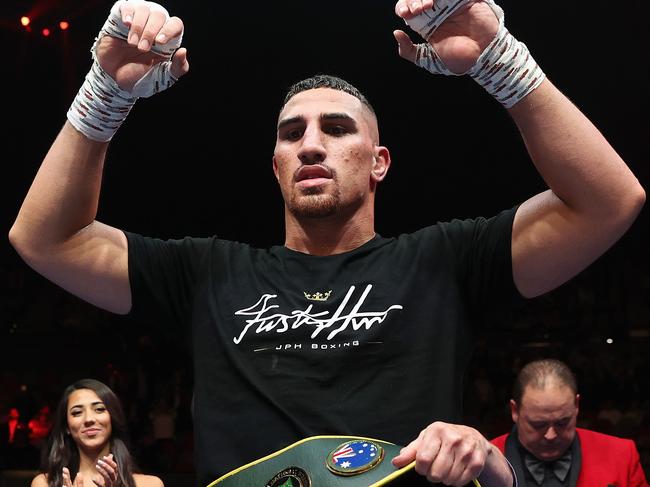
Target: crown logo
318,296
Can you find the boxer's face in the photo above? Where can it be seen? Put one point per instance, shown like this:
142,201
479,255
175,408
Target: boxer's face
326,156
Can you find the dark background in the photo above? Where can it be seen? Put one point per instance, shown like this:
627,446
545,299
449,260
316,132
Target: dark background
196,160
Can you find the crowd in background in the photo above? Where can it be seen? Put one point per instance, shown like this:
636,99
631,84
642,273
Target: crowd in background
155,390
595,324
157,395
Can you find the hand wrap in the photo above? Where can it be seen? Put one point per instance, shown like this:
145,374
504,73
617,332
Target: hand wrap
101,105
505,68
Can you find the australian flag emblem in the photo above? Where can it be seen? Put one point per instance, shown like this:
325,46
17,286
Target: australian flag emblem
354,457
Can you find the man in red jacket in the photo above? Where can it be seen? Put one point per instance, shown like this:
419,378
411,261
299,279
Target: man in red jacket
545,447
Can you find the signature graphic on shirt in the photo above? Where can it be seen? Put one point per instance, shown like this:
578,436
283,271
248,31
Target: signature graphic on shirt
262,317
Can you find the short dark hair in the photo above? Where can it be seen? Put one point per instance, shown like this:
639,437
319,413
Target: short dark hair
326,81
536,373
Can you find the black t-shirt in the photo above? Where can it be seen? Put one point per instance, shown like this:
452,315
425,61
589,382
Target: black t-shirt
372,342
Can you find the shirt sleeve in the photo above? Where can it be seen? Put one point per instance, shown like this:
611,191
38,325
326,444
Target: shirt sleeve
163,275
482,249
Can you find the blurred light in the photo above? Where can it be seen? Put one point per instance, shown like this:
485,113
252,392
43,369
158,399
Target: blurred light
609,341
63,25
24,21
45,32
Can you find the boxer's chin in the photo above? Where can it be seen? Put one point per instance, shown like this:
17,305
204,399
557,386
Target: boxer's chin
314,203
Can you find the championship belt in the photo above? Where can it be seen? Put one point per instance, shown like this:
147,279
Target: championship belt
323,461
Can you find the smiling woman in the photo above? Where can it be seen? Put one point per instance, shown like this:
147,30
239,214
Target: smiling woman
88,442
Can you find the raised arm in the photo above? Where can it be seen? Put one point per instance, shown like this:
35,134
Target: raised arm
593,197
55,231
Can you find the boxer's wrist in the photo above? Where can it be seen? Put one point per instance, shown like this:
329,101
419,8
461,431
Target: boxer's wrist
101,106
505,68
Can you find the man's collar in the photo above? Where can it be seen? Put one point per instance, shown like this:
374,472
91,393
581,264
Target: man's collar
538,468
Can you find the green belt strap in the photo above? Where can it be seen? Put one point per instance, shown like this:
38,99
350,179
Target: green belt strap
305,464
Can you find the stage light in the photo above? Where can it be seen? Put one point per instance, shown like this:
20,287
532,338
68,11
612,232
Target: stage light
45,32
24,21
63,25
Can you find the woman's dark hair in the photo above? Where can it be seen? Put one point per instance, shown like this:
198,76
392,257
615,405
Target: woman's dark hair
61,450
326,81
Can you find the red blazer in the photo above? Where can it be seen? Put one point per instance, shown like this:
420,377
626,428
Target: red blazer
606,460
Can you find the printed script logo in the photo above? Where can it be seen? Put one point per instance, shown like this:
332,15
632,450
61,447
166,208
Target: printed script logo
262,317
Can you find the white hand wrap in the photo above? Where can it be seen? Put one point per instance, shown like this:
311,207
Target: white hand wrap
505,68
101,105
